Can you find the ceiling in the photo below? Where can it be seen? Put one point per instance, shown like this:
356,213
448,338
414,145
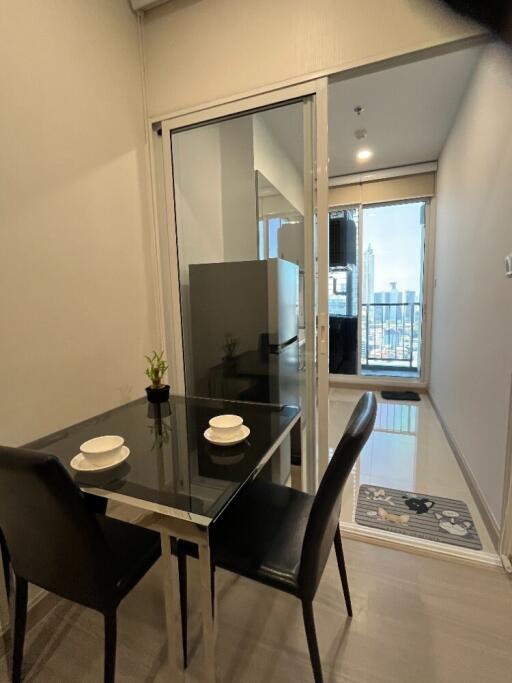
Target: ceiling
408,113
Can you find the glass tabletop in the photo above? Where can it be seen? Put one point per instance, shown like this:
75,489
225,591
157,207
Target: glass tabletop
172,468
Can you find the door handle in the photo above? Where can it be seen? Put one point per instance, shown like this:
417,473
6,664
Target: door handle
323,327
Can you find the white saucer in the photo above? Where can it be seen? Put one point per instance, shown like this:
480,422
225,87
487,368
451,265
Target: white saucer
241,436
80,464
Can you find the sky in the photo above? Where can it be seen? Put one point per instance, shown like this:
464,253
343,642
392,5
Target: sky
395,234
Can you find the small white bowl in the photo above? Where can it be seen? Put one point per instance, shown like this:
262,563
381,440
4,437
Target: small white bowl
225,426
102,450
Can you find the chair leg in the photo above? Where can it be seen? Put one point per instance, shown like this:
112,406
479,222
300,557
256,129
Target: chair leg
20,623
343,570
110,646
309,623
213,590
182,573
6,564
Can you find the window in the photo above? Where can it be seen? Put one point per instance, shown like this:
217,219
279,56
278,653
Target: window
392,287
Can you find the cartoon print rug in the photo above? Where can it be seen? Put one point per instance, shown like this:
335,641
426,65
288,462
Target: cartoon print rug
444,520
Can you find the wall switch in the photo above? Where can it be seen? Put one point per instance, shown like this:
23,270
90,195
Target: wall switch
508,265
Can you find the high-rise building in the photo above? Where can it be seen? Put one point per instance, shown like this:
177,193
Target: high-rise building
410,300
410,296
394,296
368,275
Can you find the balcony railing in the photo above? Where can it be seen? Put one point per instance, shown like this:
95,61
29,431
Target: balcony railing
391,335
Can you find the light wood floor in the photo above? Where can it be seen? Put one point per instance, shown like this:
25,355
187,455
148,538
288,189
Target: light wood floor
416,619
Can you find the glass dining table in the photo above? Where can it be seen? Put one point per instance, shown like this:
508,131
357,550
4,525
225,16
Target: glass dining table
180,483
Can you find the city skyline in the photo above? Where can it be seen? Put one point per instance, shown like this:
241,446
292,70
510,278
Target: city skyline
393,247
393,294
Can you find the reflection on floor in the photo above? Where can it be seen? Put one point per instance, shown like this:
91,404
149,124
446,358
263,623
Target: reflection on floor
407,450
368,371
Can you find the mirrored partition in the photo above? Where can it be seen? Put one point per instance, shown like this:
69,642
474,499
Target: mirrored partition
240,202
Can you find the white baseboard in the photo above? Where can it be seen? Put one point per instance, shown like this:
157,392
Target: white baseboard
487,516
420,546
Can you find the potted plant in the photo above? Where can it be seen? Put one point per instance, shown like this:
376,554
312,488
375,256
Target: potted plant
157,366
161,433
229,348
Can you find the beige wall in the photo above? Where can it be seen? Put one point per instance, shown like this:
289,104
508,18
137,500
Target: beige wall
201,50
472,321
76,293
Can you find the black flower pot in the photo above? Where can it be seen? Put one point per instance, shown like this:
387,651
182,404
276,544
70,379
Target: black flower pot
157,411
158,394
230,366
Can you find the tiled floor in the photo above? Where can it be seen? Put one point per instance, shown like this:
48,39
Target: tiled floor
407,450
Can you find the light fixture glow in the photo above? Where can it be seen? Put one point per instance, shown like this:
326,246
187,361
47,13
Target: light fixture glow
364,154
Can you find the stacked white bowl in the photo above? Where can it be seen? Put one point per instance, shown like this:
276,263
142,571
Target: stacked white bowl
102,450
226,427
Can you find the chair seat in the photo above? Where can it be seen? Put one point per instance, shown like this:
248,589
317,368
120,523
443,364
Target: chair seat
134,551
260,535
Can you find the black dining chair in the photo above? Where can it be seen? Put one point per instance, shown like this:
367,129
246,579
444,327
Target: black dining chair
96,504
5,563
56,542
282,537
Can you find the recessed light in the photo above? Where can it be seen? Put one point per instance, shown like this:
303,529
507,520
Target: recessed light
364,154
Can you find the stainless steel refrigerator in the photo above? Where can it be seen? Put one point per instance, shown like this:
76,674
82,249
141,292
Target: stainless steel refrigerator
243,331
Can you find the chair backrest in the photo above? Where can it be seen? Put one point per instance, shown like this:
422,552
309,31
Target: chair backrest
54,540
325,512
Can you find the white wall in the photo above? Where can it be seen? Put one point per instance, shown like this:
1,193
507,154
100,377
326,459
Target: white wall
203,50
198,196
472,320
239,211
77,308
272,161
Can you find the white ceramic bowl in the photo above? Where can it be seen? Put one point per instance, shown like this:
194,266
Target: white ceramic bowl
102,450
226,426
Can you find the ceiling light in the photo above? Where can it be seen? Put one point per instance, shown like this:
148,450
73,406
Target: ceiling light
364,154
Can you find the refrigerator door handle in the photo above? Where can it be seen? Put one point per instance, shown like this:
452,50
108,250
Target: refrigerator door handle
277,348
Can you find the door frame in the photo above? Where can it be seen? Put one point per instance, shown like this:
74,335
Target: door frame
428,284
316,435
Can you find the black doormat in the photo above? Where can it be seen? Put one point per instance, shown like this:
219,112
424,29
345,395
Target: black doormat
444,520
400,395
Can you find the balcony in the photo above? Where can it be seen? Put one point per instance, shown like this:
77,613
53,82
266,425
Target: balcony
391,339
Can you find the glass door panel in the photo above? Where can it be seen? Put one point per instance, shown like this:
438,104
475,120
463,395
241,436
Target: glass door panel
343,291
393,245
242,203
239,203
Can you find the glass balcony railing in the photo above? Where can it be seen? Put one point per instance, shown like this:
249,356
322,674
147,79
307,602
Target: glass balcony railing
391,336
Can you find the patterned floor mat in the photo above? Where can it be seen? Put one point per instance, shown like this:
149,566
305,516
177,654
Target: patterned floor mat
444,520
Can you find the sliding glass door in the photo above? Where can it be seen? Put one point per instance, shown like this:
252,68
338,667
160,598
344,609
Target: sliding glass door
376,289
239,202
393,245
241,309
